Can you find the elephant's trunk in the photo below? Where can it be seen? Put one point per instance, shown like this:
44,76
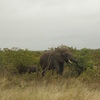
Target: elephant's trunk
72,59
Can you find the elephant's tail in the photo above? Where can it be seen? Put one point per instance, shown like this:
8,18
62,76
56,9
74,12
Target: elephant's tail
45,69
48,65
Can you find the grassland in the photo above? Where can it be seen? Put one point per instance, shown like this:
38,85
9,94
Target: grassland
48,89
66,87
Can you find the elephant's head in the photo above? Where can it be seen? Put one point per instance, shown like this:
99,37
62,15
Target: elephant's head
67,56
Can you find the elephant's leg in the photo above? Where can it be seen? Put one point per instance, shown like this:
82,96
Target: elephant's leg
52,67
57,67
61,68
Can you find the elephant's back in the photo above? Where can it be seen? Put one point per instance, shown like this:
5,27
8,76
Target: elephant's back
44,58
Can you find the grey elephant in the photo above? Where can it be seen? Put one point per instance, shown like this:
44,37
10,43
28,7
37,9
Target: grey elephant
32,69
54,59
28,69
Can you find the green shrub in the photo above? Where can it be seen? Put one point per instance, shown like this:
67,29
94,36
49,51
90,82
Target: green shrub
91,75
84,61
10,59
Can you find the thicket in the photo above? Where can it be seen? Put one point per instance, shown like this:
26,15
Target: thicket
88,61
10,59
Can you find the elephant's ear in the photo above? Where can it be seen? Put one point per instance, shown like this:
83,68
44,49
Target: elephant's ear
62,54
58,57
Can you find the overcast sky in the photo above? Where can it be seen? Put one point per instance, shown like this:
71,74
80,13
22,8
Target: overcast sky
39,24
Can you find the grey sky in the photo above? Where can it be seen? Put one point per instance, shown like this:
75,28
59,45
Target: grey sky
39,24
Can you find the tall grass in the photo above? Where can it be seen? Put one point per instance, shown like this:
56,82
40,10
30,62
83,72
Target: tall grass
50,89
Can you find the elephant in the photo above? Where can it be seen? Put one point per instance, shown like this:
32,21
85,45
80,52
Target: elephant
54,59
32,69
27,69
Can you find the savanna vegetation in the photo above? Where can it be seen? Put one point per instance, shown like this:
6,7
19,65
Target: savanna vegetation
69,86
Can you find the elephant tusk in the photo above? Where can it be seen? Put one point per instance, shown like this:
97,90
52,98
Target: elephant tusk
69,61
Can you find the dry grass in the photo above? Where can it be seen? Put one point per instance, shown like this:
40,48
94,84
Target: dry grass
50,89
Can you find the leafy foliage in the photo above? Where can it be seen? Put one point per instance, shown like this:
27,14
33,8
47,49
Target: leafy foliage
88,60
84,59
10,59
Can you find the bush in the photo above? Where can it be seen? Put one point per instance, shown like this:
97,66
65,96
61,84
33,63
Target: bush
91,75
10,59
84,61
